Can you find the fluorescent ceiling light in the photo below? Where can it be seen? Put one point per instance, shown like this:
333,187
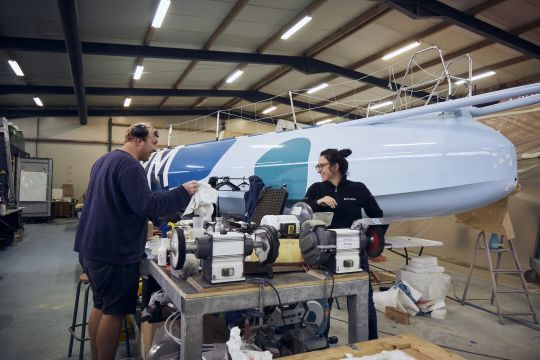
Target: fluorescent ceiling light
38,101
235,75
326,121
127,102
16,68
138,72
401,51
317,88
160,13
269,110
378,106
296,27
476,77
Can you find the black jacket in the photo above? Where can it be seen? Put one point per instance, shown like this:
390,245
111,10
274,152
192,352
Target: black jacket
351,197
117,205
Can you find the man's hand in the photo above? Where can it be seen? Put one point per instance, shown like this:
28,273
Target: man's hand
191,187
328,201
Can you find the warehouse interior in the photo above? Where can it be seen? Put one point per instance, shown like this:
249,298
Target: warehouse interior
75,75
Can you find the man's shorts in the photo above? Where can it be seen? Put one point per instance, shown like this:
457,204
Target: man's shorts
114,286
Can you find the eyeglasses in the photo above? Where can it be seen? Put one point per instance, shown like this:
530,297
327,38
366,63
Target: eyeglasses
319,167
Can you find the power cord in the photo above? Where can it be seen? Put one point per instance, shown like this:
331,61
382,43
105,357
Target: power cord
264,281
519,321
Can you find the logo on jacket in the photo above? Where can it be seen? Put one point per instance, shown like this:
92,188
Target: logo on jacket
353,199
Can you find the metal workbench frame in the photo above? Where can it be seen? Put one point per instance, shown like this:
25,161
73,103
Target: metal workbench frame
194,305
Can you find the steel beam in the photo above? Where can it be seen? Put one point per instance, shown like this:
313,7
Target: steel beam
247,95
419,9
70,24
301,63
63,112
107,112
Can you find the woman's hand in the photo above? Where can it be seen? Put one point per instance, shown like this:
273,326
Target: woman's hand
328,201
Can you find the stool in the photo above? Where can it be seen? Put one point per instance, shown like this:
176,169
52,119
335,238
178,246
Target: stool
83,279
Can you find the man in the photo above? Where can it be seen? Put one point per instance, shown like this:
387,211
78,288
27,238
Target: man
112,231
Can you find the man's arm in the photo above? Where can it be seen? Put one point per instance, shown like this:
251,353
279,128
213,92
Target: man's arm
144,202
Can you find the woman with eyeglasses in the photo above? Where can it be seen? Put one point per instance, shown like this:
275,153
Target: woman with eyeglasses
346,199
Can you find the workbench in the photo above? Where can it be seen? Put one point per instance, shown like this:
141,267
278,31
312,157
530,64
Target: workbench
292,288
10,223
404,242
410,344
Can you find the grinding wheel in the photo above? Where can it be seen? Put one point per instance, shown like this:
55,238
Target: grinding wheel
375,237
178,249
269,236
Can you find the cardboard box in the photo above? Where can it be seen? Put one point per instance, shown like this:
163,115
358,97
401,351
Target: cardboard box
62,209
57,194
214,331
68,190
147,336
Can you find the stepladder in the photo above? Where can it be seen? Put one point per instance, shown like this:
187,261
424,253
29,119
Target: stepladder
497,248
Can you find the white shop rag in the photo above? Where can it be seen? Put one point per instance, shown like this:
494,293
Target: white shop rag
202,201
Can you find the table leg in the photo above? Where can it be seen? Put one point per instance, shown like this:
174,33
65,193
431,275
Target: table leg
191,335
357,306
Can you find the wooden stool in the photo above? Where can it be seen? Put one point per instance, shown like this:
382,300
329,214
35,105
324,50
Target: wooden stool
83,279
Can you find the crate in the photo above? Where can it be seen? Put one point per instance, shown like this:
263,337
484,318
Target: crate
63,209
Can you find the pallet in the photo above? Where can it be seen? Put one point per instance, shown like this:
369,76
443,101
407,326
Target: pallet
415,346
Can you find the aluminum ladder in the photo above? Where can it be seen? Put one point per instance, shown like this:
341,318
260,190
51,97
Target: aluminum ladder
482,244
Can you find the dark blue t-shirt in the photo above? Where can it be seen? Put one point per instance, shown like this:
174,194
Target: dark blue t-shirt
117,206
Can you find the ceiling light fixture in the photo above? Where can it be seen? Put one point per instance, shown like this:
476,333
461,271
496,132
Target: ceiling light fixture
317,88
16,68
296,27
160,13
127,102
38,101
138,72
378,106
476,77
401,51
325,121
269,109
235,75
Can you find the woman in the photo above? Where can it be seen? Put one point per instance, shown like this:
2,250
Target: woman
345,199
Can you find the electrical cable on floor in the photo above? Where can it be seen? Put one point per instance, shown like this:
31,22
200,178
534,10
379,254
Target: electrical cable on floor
264,281
519,321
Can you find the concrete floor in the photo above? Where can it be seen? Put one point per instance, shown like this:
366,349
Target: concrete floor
38,278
